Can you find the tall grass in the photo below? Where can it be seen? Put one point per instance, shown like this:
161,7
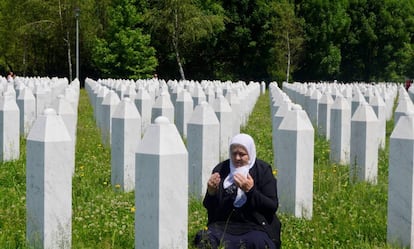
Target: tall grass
344,215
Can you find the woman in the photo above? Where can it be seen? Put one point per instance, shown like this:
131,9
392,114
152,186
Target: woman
241,201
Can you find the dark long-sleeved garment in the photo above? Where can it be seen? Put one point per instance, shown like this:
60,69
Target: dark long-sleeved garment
258,213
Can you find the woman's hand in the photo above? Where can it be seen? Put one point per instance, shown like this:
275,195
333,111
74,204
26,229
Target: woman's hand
213,183
244,183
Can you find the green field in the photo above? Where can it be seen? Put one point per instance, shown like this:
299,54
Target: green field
344,215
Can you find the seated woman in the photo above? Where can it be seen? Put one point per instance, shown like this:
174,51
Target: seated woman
241,201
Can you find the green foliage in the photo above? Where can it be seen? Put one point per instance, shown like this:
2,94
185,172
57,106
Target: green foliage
182,24
287,30
125,52
242,51
331,62
348,40
326,23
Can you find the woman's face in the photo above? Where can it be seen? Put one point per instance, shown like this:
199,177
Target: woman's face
239,155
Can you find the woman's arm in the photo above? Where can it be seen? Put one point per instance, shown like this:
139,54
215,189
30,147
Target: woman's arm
263,196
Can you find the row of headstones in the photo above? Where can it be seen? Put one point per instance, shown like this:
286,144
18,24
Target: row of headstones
23,99
172,99
217,118
161,161
44,112
356,133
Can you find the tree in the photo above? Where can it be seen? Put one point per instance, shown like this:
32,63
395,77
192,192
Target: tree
125,51
326,27
395,28
181,24
287,30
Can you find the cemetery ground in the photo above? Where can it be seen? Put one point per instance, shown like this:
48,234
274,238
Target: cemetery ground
344,215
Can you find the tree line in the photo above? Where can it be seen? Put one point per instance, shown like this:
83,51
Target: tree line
260,40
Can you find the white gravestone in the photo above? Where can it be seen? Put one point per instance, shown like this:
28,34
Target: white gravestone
121,90
262,87
161,188
224,114
340,134
183,111
210,95
235,105
9,128
109,104
307,100
49,163
163,107
404,107
130,92
103,91
27,106
93,89
126,136
41,99
295,172
364,145
378,105
203,143
198,95
174,92
324,114
276,121
64,109
143,102
314,106
72,95
357,100
400,212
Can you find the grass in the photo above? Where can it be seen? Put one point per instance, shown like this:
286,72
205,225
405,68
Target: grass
344,215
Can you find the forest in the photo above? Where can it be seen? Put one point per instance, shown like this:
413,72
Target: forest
250,40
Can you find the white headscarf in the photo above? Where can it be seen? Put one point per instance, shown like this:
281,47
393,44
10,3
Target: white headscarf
248,143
